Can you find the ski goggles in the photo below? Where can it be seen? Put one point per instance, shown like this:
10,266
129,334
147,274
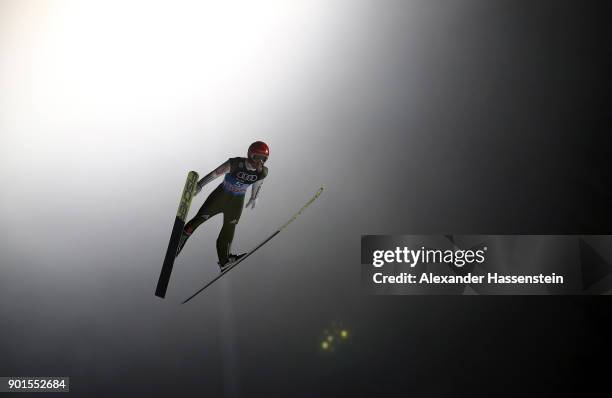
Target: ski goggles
260,158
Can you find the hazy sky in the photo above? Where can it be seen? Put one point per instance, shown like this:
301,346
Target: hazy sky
416,117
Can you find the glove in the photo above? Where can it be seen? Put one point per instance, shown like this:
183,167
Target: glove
252,202
197,189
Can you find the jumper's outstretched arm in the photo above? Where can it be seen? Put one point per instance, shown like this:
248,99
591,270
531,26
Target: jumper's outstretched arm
255,189
219,171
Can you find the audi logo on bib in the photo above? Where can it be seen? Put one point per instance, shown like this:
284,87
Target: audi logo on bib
247,177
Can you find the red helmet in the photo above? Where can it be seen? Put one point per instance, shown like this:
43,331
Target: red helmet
259,148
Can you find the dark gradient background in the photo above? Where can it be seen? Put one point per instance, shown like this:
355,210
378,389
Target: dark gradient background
418,117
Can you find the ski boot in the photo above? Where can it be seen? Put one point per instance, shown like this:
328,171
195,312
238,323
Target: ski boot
231,259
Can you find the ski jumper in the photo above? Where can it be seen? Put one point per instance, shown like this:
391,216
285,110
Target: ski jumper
227,198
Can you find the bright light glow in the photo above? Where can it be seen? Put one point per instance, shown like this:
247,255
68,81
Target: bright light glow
78,78
101,95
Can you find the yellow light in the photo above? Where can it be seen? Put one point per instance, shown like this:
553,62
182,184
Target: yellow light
344,334
325,345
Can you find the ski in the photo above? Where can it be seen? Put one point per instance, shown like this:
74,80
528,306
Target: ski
179,223
253,250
